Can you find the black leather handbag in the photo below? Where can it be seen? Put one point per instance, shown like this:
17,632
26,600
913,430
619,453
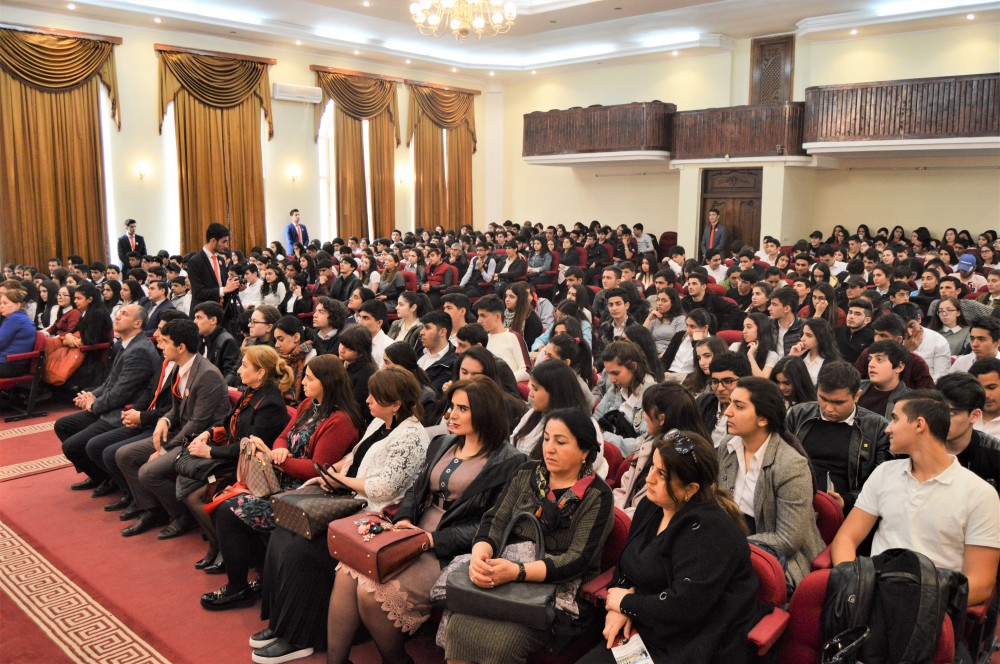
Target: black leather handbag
845,648
525,603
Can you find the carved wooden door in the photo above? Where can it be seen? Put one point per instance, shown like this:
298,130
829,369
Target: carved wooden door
736,194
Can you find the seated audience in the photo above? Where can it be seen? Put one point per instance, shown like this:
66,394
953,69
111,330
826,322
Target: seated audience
502,343
988,373
329,319
355,351
293,347
984,340
217,344
679,358
816,347
890,327
786,327
886,362
928,344
856,333
793,380
950,323
17,333
725,370
976,450
756,344
620,410
410,307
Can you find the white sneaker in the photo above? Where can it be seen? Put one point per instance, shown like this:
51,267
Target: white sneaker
278,652
263,638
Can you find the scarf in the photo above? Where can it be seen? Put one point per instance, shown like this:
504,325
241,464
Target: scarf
554,512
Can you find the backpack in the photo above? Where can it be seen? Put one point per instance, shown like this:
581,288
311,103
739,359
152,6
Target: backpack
902,597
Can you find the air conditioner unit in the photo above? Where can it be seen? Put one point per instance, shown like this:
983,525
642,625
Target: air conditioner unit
301,93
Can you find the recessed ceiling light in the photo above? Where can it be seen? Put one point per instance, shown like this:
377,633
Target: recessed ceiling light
157,20
298,42
407,62
454,70
674,53
357,52
366,4
970,16
854,32
71,6
492,73
533,72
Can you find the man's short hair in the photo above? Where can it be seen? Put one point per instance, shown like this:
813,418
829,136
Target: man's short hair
891,323
803,257
615,292
613,268
712,253
677,250
991,325
860,304
981,367
292,211
627,265
215,231
824,250
930,405
490,303
729,360
699,276
666,274
893,350
439,319
376,309
473,334
211,310
575,272
786,296
172,314
907,311
183,332
838,375
750,276
129,222
896,288
458,300
962,391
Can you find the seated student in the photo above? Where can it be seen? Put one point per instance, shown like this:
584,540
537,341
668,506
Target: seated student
666,318
886,362
951,286
620,410
613,327
984,339
685,529
792,378
890,327
699,297
502,343
976,450
786,327
293,347
770,477
714,265
950,323
329,318
371,316
477,361
992,296
817,346
928,502
514,267
742,290
845,441
355,351
217,344
679,358
611,278
757,344
459,308
725,369
856,334
926,343
17,332
410,307
437,354
482,269
519,312
988,373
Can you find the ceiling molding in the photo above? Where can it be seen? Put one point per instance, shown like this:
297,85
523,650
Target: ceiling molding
859,19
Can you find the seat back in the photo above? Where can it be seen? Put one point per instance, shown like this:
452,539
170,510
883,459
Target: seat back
616,540
411,281
524,348
730,336
717,289
829,516
234,396
581,252
771,589
613,456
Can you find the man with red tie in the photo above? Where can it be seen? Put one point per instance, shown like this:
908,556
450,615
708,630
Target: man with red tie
295,232
715,235
207,270
130,242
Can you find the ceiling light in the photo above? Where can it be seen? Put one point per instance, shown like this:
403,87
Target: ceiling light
71,6
298,42
407,62
454,70
493,73
854,32
533,72
366,4
157,20
463,17
357,52
970,16
674,53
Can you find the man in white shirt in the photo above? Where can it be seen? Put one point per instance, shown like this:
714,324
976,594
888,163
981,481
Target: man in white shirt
769,254
925,342
644,241
988,373
928,502
503,343
372,315
984,338
250,295
714,265
438,356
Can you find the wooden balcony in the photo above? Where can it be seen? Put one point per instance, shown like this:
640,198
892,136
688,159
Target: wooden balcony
622,133
955,112
761,130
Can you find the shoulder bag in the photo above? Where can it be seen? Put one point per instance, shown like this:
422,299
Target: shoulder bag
255,470
307,511
373,546
525,603
60,364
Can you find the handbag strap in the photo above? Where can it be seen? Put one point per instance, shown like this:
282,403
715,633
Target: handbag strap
537,532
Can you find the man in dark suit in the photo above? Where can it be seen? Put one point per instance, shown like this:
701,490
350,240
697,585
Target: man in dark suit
156,304
217,345
207,270
130,242
134,366
715,235
200,401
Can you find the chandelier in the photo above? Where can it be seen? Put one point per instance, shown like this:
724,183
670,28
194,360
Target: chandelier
462,17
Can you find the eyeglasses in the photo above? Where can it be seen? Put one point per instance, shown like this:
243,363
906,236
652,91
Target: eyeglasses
256,322
947,311
725,382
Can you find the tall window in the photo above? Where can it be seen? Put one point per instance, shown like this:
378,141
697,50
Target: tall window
328,179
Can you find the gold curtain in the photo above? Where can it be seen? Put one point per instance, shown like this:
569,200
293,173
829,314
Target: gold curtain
358,98
217,106
433,112
52,194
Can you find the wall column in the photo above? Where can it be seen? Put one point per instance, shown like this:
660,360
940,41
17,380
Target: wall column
688,209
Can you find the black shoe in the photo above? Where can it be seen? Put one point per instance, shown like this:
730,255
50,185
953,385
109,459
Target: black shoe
215,568
257,587
263,638
89,483
120,504
209,558
147,521
105,488
179,526
278,652
222,599
131,512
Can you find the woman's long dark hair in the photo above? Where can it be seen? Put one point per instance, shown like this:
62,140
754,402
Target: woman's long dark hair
765,344
697,380
631,356
577,352
402,354
830,314
825,340
643,338
267,288
337,393
486,405
796,373
43,309
677,406
560,382
358,339
825,269
524,307
582,297
116,290
134,291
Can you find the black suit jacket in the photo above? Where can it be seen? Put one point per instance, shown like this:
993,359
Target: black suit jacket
222,350
342,288
164,401
132,370
153,321
124,246
204,286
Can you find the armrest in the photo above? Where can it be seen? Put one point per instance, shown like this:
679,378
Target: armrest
976,615
92,347
22,357
768,630
824,560
595,591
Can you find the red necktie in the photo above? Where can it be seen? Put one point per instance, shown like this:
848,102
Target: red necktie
215,264
131,238
711,238
159,385
298,229
175,388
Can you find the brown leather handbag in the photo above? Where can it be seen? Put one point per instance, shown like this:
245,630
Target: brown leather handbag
308,510
255,470
370,544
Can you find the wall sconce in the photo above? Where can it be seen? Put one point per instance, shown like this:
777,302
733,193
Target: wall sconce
142,170
294,173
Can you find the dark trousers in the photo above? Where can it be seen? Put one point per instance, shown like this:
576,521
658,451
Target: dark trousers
101,450
76,431
242,547
151,483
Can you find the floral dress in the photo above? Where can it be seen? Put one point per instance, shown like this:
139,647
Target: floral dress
257,512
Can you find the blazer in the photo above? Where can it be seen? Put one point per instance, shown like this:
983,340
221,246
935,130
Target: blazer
439,373
204,286
695,588
266,416
154,318
303,305
204,403
124,247
720,241
134,367
782,503
516,269
292,236
222,350
392,288
461,518
342,288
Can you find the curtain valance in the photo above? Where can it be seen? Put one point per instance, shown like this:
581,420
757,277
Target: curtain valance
448,109
360,97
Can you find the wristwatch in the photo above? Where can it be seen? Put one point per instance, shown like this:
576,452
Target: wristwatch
521,573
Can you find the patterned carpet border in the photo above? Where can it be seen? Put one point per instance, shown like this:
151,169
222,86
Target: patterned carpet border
35,467
78,624
25,430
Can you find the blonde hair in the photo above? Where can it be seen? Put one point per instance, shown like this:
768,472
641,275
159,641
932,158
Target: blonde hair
15,295
276,370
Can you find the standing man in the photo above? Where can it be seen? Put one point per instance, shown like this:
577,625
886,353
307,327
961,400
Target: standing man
130,242
206,269
295,231
715,235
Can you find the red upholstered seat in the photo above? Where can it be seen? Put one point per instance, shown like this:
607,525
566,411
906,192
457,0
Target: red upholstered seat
613,456
411,280
717,289
829,515
31,378
771,591
730,336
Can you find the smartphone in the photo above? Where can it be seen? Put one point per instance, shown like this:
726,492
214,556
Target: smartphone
829,483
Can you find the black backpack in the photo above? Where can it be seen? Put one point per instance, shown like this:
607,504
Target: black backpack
902,597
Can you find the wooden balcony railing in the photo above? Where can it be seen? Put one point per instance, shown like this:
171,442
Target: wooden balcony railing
739,131
623,127
919,108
